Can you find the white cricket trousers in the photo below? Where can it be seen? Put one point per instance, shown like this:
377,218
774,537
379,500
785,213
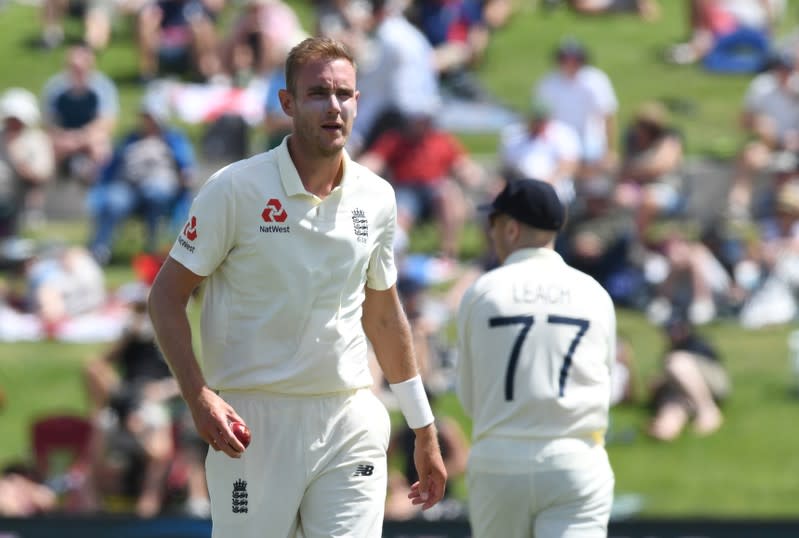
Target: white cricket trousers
518,488
315,468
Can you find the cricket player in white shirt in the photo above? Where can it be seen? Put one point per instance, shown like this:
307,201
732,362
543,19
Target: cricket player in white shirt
294,248
537,339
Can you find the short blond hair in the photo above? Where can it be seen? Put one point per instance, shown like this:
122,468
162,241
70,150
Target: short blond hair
310,50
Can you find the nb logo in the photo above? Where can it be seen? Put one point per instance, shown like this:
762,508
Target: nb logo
274,211
364,470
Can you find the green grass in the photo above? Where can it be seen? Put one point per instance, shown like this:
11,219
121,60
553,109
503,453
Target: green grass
749,468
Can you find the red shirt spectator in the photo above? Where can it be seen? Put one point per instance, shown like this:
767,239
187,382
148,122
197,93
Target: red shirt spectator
426,159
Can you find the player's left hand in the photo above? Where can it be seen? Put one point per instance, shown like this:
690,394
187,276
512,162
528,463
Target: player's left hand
430,467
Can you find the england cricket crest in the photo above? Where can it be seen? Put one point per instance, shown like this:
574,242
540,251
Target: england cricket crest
240,496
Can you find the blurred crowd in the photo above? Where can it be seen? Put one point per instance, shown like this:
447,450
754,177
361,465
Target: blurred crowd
634,222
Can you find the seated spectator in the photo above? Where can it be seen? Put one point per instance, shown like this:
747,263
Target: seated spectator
98,17
429,170
348,21
769,275
459,36
601,239
27,163
132,442
53,13
395,71
690,278
150,172
691,387
56,284
729,35
582,96
180,34
649,179
771,120
80,107
543,148
260,37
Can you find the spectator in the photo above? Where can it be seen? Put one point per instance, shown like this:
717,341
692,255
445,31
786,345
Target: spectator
345,20
132,442
429,170
769,274
691,386
395,70
80,108
721,29
582,96
150,173
650,180
27,163
771,119
62,284
543,148
459,35
260,37
693,280
601,240
181,34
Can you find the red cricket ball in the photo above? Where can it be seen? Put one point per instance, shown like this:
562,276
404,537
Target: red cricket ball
242,433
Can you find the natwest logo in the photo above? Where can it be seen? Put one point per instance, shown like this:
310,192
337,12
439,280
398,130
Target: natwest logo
274,211
190,230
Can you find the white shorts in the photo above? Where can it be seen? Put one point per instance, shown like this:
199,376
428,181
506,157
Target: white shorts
554,489
316,467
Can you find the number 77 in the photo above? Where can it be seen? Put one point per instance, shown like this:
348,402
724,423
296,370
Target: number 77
526,322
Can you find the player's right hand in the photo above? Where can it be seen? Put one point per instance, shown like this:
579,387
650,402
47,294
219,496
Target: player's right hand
432,483
212,417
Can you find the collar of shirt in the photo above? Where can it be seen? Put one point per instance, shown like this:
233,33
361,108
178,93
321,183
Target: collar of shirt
547,255
292,183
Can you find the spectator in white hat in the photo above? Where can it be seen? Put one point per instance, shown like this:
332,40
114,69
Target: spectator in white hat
26,160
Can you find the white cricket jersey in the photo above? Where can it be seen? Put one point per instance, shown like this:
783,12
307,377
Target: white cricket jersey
286,273
537,340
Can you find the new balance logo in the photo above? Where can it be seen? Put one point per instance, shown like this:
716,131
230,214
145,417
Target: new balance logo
364,470
240,496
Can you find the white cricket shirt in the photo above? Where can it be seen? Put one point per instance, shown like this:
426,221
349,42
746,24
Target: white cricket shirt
537,339
286,273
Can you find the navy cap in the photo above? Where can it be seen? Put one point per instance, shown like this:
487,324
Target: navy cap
531,202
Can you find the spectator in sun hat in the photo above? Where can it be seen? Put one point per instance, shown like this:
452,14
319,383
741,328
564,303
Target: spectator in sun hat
27,161
582,96
150,171
649,177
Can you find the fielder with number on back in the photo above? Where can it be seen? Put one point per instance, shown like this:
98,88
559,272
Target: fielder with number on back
537,339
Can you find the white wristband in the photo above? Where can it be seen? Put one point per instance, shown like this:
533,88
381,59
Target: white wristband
413,402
